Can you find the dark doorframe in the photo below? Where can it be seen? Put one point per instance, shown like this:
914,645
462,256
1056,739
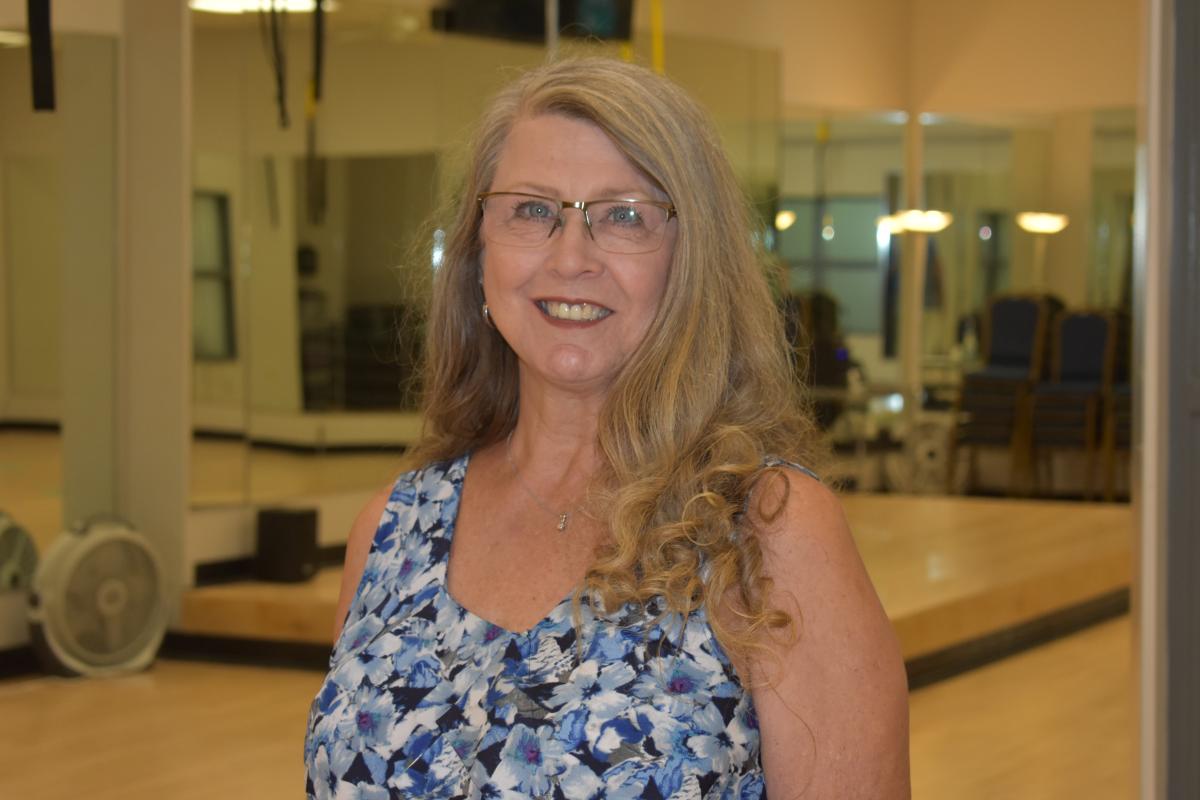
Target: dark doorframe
1167,434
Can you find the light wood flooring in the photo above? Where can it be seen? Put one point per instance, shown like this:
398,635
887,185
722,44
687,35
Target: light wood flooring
1052,723
1055,722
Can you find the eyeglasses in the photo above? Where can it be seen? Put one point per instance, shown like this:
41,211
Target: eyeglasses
624,226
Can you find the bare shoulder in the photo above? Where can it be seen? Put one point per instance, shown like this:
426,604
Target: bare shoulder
358,547
832,703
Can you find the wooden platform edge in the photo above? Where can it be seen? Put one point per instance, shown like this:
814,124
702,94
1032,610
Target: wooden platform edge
923,671
951,661
230,570
246,652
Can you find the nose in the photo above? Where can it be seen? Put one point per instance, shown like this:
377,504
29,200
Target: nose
572,250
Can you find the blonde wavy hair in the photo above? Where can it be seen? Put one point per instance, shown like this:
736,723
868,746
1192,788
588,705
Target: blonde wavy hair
709,394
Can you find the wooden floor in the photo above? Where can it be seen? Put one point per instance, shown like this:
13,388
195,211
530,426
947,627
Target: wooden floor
1055,722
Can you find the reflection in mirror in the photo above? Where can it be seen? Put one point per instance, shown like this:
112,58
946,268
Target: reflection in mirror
840,176
34,161
220,454
30,445
343,260
359,300
332,252
1026,333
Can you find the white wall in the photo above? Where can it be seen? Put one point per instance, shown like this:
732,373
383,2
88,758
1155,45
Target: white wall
1022,55
29,256
850,54
31,241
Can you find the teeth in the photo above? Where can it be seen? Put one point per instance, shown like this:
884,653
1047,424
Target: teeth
579,312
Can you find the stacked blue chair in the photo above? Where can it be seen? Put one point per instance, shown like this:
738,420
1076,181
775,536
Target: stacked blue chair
1066,410
990,411
1118,409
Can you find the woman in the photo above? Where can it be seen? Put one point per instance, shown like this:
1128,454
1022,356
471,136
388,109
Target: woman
606,580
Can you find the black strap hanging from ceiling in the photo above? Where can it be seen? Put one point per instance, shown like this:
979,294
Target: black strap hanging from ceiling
318,47
272,24
41,54
315,165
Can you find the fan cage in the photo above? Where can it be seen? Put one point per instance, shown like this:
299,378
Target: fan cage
97,607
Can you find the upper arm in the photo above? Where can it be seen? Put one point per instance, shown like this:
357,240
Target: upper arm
358,546
832,703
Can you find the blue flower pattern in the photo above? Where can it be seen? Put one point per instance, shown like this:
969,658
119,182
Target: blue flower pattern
426,699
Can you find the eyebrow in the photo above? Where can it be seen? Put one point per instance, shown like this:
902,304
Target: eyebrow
608,193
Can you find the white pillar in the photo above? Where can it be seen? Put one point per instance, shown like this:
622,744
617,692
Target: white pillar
912,265
154,292
88,108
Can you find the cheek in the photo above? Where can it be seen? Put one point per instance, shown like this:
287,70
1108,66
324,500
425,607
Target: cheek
655,284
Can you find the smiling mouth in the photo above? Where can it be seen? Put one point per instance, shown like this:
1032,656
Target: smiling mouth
573,312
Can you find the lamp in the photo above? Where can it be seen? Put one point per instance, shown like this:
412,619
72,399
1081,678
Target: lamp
1042,224
916,220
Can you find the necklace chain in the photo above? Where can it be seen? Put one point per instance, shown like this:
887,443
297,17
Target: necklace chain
564,517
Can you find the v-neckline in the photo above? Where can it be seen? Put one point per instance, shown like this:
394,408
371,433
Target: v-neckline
459,481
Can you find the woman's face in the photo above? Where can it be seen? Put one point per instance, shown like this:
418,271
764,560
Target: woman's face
533,292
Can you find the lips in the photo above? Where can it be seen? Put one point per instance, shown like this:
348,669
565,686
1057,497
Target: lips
573,312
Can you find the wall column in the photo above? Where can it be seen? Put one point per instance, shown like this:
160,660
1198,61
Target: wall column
88,109
913,254
1068,253
154,293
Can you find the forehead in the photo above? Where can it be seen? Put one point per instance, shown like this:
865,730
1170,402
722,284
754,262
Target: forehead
568,157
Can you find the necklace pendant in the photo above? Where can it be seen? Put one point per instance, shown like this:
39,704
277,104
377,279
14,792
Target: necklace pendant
562,522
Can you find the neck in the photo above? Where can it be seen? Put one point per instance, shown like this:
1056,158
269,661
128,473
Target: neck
556,430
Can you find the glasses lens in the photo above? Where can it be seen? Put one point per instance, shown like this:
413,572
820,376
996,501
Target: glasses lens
519,219
627,226
617,226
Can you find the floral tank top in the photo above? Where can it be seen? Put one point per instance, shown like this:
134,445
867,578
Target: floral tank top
424,699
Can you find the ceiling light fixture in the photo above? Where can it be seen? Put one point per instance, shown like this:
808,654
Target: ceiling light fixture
1042,222
14,39
251,6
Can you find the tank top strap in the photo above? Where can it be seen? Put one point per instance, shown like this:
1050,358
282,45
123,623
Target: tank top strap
775,461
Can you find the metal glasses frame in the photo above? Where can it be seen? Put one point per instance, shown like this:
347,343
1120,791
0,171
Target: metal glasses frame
582,205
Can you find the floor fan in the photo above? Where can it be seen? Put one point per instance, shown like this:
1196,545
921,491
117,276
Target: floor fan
18,555
98,602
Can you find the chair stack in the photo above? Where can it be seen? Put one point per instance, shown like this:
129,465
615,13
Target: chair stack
1066,410
991,408
812,327
1118,408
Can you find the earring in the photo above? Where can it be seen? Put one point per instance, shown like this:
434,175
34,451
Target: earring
487,316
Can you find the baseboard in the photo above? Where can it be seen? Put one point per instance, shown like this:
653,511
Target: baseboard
312,449
211,435
17,662
957,659
242,569
256,652
39,425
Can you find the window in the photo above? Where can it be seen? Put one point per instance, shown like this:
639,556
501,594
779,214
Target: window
212,278
834,247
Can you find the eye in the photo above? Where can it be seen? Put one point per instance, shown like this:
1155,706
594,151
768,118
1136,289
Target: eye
535,210
624,214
